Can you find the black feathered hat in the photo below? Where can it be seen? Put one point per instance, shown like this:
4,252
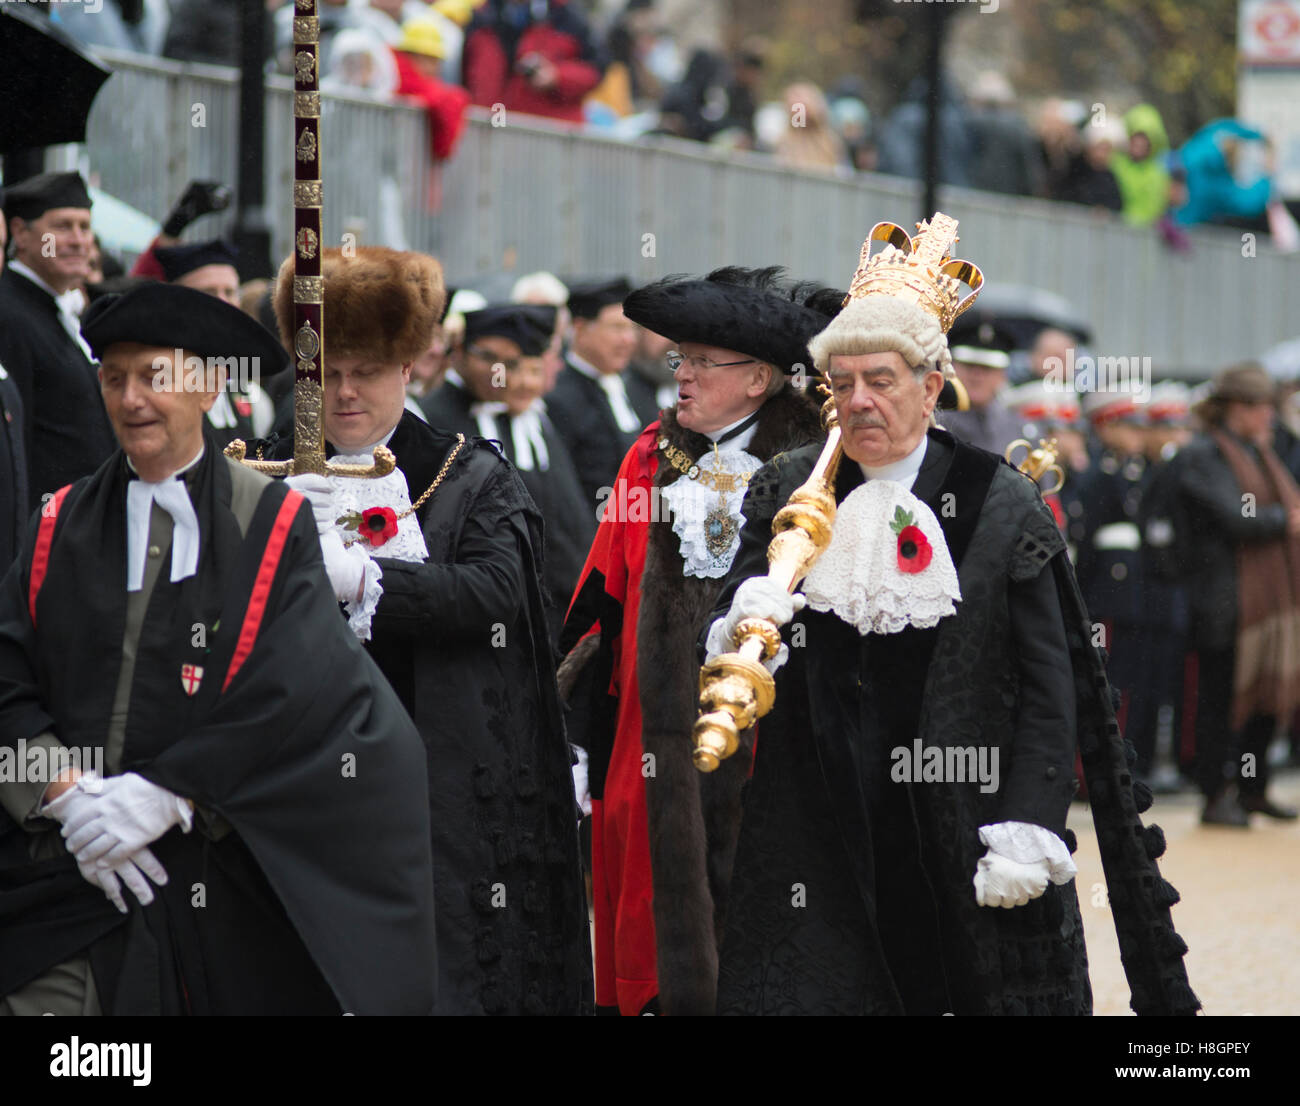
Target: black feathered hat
176,261
172,316
755,311
529,325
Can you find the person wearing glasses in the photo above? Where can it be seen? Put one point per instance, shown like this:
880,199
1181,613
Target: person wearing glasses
669,531
495,392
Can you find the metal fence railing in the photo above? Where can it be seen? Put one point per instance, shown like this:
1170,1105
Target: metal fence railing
530,195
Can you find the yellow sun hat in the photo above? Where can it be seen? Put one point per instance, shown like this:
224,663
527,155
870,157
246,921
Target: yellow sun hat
422,36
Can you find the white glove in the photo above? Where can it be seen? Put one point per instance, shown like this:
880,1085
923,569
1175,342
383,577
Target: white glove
127,814
759,597
317,491
131,872
344,564
77,803
581,783
1008,883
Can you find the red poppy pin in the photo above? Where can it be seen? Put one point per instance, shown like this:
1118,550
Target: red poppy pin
374,525
914,550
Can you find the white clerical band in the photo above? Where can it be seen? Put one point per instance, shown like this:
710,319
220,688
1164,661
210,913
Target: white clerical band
171,495
612,385
530,443
525,433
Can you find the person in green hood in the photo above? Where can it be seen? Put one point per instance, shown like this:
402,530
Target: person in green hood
1144,181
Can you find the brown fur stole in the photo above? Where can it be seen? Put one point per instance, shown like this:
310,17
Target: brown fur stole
694,819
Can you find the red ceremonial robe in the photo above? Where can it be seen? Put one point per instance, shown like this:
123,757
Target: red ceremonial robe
609,595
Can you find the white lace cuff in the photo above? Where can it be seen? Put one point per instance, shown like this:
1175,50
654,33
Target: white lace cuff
581,785
1027,843
360,613
718,641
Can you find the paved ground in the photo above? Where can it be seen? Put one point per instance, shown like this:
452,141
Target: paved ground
1239,914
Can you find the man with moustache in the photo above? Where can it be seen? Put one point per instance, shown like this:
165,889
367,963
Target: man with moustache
943,614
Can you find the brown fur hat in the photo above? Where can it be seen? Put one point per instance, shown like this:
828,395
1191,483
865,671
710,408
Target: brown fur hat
379,303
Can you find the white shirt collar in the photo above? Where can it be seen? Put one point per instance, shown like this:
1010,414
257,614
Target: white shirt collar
740,441
453,377
179,472
367,452
23,270
901,472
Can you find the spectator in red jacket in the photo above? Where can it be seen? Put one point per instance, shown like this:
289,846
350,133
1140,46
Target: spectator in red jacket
536,58
419,57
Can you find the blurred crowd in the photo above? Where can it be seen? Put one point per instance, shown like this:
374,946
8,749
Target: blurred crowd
1180,507
630,75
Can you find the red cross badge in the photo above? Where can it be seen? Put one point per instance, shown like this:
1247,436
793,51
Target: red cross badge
191,677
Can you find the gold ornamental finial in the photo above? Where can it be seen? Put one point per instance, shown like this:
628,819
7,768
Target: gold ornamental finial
918,269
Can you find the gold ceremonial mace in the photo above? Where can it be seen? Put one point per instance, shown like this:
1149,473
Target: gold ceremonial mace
1037,463
308,285
735,689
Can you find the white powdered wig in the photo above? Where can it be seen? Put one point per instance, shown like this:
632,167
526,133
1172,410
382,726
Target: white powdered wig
878,324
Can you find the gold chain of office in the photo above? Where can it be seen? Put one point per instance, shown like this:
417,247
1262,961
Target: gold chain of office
722,482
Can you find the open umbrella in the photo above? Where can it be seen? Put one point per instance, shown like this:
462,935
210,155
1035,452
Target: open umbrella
1019,312
47,82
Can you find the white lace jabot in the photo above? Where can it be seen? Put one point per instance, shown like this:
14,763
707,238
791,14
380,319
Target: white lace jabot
353,496
707,522
887,566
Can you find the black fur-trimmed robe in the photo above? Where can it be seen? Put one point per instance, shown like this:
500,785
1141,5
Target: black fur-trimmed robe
692,818
462,639
852,892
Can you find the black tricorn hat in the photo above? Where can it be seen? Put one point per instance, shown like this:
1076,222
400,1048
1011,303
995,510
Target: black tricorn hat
529,325
172,316
755,311
176,261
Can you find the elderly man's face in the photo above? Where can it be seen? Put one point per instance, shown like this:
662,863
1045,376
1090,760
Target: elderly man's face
364,399
716,387
883,406
607,341
56,246
156,410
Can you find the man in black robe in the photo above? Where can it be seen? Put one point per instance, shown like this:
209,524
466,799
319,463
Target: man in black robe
903,846
217,742
495,393
67,432
13,452
590,404
446,593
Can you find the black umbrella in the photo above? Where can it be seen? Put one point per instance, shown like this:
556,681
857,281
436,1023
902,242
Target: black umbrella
1016,313
47,82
